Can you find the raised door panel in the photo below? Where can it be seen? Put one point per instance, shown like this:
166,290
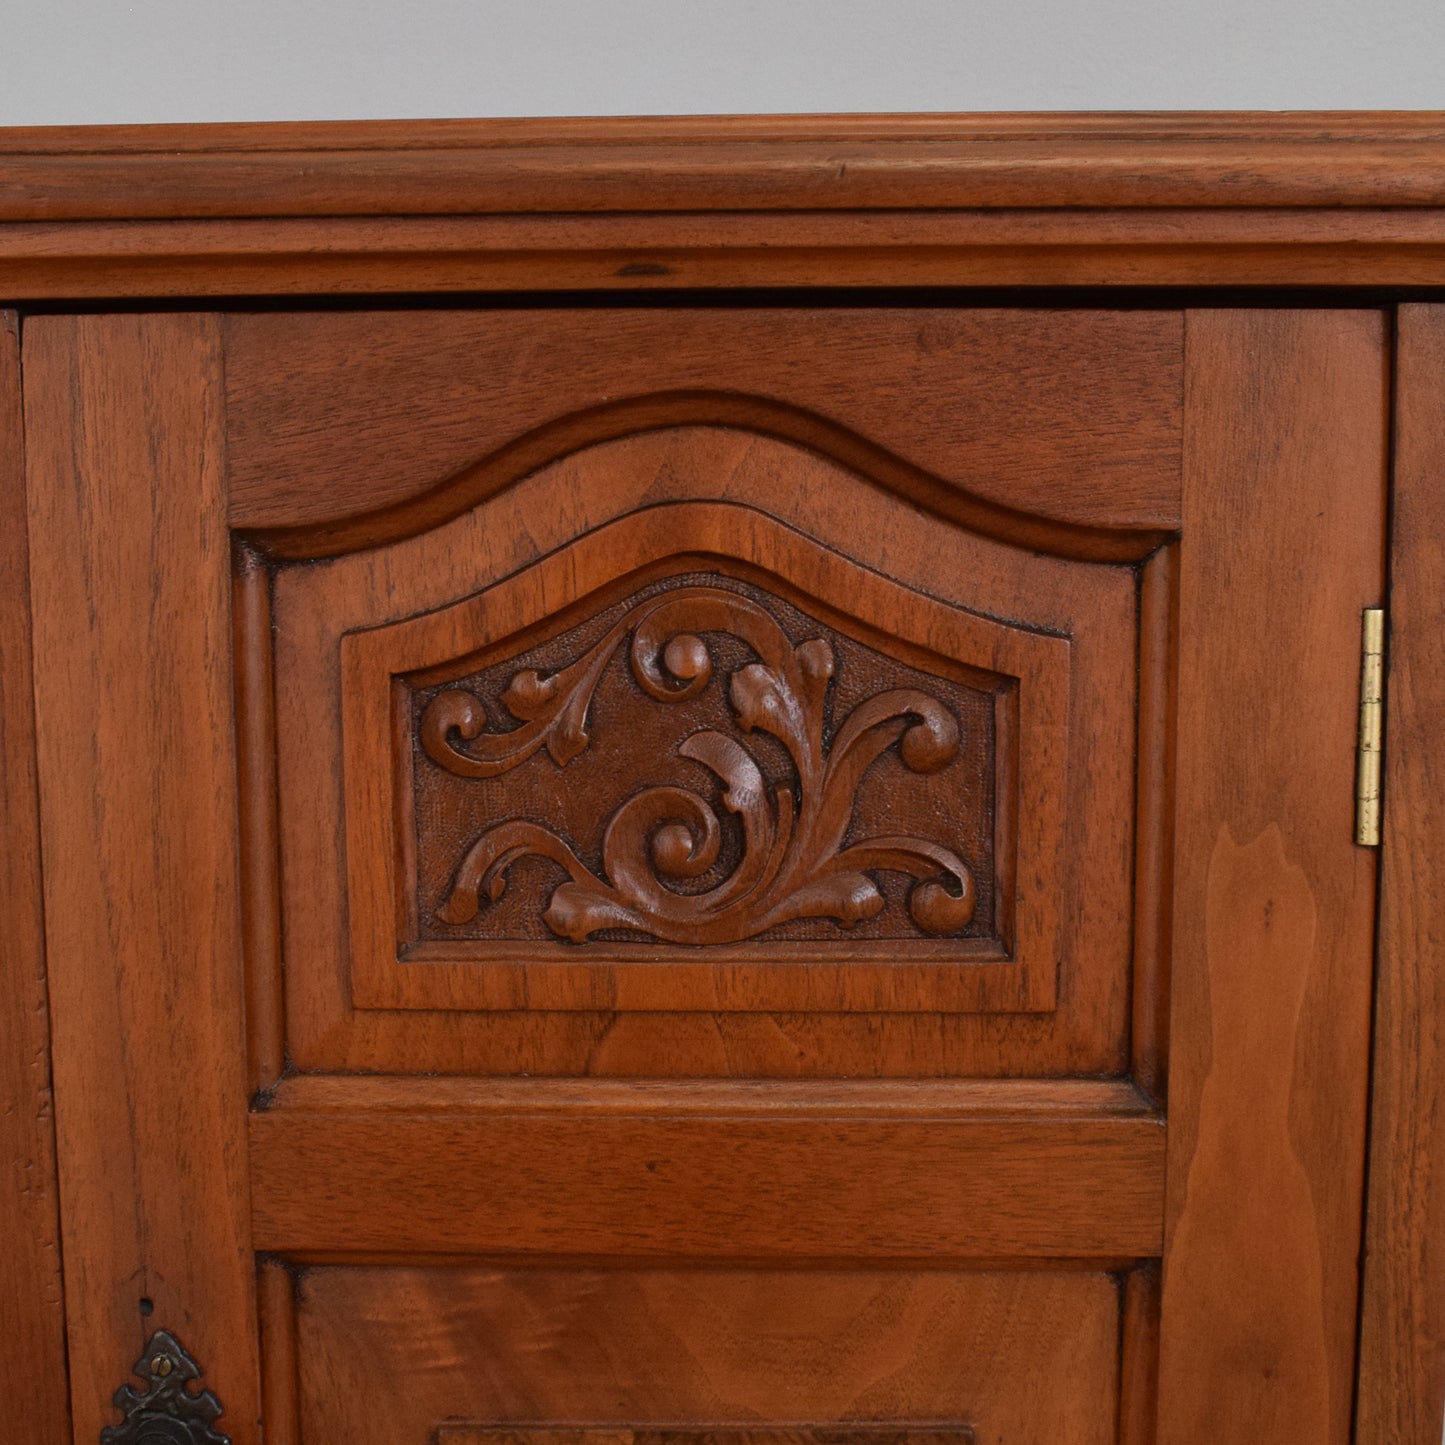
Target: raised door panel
471,749
742,707
827,723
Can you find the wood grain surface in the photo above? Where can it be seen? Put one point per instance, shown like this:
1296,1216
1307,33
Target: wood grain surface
647,205
388,1355
395,823
822,531
627,256
129,583
1154,830
256,816
32,1311
1402,1337
1139,1356
348,429
1285,481
280,1368
792,1224
455,1171
885,162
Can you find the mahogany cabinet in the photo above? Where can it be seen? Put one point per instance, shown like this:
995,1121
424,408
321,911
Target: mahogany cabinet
715,783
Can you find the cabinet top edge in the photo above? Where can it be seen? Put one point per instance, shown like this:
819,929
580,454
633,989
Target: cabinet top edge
545,166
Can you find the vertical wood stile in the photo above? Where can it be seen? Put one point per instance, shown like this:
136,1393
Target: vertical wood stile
32,1317
130,568
1284,505
1402,1337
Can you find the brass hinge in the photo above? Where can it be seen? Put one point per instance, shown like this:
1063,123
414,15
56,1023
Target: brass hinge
1372,729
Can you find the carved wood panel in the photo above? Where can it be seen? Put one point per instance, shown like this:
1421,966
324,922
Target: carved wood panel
702,751
701,762
775,787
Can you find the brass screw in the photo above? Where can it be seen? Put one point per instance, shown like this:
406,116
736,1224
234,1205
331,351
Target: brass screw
161,1366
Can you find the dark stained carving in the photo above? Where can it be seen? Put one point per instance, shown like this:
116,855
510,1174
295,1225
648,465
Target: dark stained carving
661,872
166,1412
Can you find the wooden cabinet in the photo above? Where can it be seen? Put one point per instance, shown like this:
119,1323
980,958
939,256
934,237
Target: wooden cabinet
703,856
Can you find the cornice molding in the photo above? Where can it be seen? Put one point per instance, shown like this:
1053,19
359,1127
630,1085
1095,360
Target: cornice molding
722,163
1325,199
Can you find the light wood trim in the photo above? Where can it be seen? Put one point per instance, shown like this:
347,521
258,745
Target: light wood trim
1223,125
1402,1337
353,1168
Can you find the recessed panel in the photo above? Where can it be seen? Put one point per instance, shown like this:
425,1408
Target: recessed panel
505,1356
698,785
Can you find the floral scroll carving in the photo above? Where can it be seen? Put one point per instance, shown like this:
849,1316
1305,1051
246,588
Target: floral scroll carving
797,860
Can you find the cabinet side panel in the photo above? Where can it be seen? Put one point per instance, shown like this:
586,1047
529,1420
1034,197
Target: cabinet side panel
1285,481
130,587
1402,1342
32,1322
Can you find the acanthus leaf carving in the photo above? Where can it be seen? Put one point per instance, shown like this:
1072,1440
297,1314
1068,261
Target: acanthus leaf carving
794,863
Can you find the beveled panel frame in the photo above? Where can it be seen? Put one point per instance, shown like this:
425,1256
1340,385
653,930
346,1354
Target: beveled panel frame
966,975
780,501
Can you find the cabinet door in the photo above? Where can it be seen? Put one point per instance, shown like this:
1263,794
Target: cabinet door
783,875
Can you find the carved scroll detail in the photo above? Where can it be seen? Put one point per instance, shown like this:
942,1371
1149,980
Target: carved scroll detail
166,1413
794,863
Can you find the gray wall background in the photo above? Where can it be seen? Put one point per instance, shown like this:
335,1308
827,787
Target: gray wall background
106,61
